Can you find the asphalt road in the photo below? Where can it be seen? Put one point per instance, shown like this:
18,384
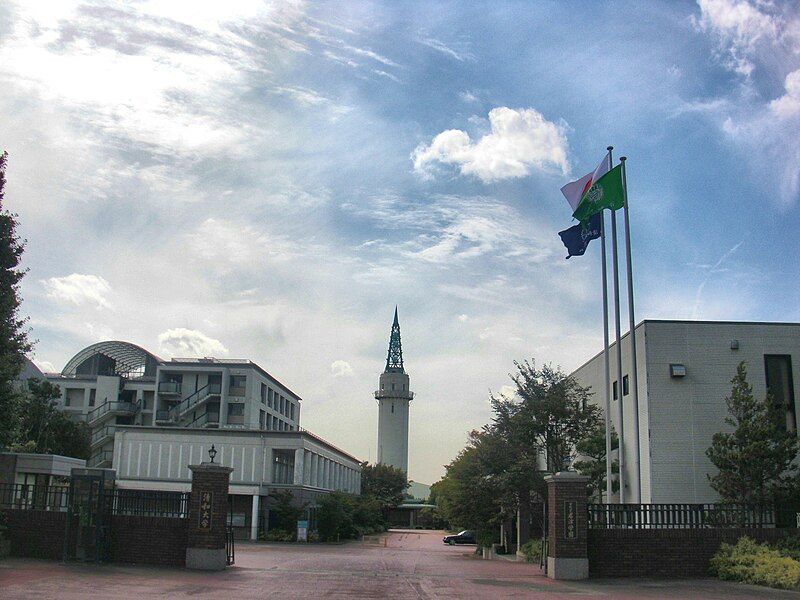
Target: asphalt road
404,564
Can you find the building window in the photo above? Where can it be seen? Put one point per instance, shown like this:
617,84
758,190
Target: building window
780,385
392,407
264,393
625,390
269,397
614,389
236,410
291,411
269,422
262,419
238,385
92,397
282,409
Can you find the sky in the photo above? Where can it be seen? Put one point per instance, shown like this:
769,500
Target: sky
267,180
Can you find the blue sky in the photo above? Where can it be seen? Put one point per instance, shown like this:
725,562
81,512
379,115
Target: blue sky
267,180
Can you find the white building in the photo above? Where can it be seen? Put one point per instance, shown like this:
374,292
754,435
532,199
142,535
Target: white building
151,418
118,383
394,398
157,458
684,374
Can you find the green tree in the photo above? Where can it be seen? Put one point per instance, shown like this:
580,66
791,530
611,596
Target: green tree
286,511
754,460
385,483
592,461
335,517
43,429
14,343
468,496
551,411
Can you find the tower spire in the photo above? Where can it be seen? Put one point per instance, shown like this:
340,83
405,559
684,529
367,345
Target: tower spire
394,361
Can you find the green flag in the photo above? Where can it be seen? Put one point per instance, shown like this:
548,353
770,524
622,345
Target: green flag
606,192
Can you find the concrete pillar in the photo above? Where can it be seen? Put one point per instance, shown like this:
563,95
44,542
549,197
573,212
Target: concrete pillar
299,457
254,518
306,467
208,517
567,526
314,467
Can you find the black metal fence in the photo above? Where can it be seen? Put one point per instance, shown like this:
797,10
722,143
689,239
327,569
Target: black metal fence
119,502
149,503
34,497
679,516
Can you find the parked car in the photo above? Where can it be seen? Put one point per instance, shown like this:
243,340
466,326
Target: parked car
465,537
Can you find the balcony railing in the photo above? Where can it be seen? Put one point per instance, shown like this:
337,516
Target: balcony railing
101,458
169,387
165,416
210,389
207,419
111,407
102,433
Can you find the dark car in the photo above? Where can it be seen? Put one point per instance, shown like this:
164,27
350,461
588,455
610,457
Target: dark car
465,537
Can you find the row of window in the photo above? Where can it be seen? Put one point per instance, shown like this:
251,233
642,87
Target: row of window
277,402
273,423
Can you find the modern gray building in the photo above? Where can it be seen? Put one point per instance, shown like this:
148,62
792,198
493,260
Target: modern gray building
684,374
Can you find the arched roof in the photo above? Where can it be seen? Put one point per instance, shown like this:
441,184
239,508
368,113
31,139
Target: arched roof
112,358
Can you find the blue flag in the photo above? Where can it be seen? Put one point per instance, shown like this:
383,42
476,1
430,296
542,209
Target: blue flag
577,237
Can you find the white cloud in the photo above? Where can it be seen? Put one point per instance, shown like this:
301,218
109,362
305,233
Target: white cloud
788,105
462,318
78,289
738,26
341,368
438,45
519,141
188,343
234,242
45,366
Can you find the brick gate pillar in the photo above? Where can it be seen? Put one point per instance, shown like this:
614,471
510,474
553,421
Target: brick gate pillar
208,517
567,525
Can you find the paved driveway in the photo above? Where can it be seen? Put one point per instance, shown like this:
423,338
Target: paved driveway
404,564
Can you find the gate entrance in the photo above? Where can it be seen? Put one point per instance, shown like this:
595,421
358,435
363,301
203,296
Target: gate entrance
88,515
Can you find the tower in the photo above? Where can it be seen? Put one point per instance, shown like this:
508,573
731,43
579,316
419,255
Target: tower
394,397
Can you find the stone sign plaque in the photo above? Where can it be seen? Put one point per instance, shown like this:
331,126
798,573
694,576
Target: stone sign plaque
570,520
204,521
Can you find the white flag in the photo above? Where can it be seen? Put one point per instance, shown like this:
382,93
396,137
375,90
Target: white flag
575,190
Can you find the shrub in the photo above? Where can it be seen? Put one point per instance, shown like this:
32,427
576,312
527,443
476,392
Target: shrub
279,535
790,547
532,551
3,525
484,538
750,562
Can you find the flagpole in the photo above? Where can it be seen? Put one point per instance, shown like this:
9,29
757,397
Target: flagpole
632,324
620,413
609,483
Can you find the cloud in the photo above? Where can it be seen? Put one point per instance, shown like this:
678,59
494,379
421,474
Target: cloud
788,105
520,140
78,289
438,45
341,368
45,366
738,27
189,343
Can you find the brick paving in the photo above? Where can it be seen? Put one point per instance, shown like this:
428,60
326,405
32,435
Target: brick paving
404,564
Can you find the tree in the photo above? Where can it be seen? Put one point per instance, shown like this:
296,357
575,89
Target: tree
592,461
43,429
285,511
14,342
551,411
754,461
385,483
468,496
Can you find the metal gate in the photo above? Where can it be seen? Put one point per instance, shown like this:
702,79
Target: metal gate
230,542
543,558
88,515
